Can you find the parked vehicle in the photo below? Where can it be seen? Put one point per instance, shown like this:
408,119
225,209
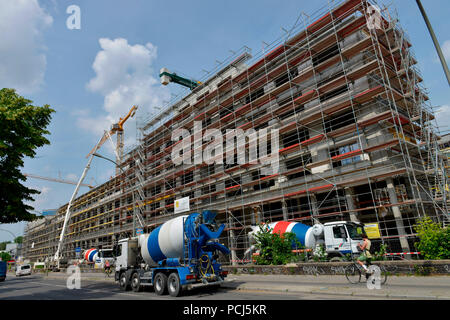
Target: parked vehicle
23,270
338,238
180,254
2,271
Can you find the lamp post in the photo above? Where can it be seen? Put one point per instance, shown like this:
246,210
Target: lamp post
435,41
10,233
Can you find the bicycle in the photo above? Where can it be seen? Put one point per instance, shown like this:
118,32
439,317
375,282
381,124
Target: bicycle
354,271
108,272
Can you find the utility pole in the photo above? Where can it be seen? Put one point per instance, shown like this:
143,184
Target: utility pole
435,41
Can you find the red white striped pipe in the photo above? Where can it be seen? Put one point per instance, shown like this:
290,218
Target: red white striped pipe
400,253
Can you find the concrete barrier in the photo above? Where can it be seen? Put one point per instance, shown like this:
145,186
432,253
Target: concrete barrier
404,267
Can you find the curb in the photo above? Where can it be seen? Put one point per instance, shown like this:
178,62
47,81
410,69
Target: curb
336,293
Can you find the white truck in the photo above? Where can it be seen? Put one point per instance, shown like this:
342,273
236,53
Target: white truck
98,257
338,238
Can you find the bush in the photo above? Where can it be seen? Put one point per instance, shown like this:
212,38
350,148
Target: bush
434,240
5,256
319,253
380,254
274,248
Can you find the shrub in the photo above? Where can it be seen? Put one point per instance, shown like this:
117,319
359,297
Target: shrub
434,240
319,253
380,254
274,248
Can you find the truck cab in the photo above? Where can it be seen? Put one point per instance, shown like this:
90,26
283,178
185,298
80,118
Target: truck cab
342,237
103,256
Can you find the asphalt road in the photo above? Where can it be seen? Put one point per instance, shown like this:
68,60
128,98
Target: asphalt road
36,287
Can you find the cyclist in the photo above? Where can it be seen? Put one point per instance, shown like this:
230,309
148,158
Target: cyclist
365,254
107,266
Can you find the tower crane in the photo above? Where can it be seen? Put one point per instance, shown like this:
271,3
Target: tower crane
116,128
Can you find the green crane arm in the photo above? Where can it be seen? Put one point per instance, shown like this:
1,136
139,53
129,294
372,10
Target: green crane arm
191,84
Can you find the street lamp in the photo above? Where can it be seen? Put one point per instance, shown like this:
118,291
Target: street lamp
435,41
10,233
100,156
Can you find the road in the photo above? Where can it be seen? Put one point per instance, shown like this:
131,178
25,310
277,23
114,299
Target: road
37,287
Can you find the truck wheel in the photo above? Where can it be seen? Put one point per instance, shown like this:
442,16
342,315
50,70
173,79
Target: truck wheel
174,285
123,282
136,282
160,284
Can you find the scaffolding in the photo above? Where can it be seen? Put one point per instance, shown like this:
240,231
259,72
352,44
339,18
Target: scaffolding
356,131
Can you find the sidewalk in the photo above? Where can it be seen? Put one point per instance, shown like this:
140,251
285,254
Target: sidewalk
436,287
396,287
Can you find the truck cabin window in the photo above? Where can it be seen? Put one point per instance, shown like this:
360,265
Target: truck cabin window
339,232
354,231
107,254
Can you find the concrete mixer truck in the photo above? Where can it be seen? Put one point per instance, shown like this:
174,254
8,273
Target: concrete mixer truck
338,238
98,257
180,254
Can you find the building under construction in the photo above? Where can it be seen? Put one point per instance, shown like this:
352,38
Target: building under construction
357,141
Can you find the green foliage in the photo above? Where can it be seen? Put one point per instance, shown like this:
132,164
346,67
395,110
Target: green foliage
380,254
5,256
319,253
19,239
22,130
434,240
274,248
3,245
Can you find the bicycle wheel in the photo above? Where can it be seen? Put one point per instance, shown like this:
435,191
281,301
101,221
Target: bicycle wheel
353,274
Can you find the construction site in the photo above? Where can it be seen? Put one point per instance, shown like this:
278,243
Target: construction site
358,141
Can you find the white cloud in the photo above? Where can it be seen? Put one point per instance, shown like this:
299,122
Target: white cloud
125,77
22,53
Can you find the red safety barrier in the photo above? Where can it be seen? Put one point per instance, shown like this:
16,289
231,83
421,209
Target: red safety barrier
400,253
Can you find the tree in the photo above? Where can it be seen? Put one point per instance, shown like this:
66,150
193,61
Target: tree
19,239
434,240
5,256
3,245
22,131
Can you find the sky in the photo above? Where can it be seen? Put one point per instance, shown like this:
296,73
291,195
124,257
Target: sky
93,74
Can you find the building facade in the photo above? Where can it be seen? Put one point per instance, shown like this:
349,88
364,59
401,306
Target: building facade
356,142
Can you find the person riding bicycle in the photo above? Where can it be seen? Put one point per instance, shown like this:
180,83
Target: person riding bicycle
365,254
107,266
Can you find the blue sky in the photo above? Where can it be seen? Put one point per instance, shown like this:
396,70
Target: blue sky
92,76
